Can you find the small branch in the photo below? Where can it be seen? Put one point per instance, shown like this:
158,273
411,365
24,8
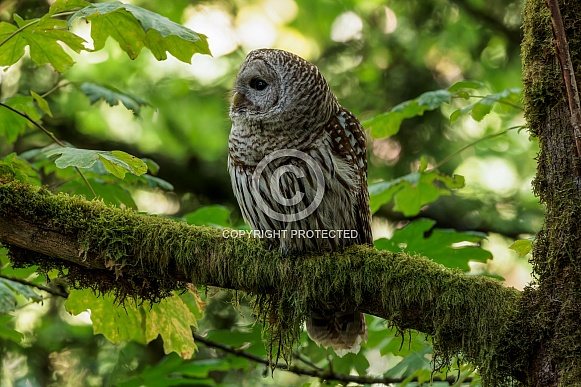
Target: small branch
48,289
500,101
234,351
31,24
456,153
56,87
33,122
316,373
86,182
52,137
300,357
18,31
564,56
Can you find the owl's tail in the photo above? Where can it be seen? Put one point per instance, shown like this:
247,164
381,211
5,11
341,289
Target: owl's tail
344,331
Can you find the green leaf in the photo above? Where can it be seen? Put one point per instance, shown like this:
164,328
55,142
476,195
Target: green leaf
7,332
164,374
27,273
382,193
351,361
112,96
156,182
194,303
387,124
115,322
250,338
44,36
170,318
119,163
120,25
21,23
411,192
152,166
134,28
12,124
448,247
423,164
214,216
467,84
110,193
432,100
522,246
202,368
455,115
116,162
412,364
390,342
42,103
173,44
174,371
12,44
8,289
19,169
479,109
7,298
73,157
65,5
22,289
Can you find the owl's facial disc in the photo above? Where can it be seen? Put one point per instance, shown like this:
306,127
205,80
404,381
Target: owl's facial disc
256,90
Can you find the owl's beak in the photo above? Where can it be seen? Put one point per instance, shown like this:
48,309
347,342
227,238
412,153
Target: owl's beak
237,99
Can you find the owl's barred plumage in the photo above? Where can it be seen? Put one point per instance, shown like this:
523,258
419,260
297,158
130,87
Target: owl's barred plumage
297,161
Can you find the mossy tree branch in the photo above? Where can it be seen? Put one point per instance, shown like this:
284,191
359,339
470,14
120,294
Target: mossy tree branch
137,255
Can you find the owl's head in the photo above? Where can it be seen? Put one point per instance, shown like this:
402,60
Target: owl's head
275,86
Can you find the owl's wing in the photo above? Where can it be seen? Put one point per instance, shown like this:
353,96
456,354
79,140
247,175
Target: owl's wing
348,141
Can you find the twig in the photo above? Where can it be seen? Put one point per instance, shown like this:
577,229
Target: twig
18,31
53,291
456,153
298,356
39,126
52,137
500,101
33,22
316,373
564,56
56,87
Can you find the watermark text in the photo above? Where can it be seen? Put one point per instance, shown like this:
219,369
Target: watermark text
283,234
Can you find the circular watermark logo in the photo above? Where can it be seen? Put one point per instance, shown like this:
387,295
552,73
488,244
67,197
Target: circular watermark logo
272,182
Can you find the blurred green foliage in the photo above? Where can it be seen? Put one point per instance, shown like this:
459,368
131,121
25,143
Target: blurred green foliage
435,81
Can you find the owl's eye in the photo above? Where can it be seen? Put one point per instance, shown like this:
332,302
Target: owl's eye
258,84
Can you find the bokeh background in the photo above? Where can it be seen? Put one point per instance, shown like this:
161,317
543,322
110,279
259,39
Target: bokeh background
375,54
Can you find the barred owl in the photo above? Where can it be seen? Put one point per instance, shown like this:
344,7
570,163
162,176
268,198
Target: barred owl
297,162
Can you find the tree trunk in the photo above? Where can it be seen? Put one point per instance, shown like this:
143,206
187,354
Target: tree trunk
553,304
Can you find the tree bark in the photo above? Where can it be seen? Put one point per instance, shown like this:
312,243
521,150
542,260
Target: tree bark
554,303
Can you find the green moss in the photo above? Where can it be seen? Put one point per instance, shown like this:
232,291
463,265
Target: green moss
552,308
